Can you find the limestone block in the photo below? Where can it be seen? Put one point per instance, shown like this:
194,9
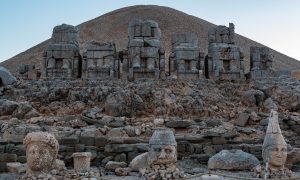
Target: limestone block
187,54
6,78
139,162
112,165
153,42
136,42
242,119
149,52
146,30
16,167
102,54
233,160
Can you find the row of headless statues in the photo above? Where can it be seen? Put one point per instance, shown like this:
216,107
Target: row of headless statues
42,149
145,57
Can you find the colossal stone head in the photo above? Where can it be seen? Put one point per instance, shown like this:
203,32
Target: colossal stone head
41,152
162,147
274,146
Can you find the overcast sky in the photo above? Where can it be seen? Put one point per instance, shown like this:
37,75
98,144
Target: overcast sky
275,23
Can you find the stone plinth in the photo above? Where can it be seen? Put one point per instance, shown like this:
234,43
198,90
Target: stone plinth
82,161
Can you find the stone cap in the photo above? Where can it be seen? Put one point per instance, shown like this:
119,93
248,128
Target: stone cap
44,137
273,135
82,154
163,136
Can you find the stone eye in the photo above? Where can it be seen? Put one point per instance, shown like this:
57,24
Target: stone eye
168,151
157,149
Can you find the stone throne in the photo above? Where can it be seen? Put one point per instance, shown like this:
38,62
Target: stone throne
261,61
144,57
62,57
186,61
100,61
224,60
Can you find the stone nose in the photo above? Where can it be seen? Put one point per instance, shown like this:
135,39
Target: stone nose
162,155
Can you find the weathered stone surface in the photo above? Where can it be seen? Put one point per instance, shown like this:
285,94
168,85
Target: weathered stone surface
224,59
242,119
233,160
178,123
122,171
62,56
139,162
186,62
253,98
274,150
82,161
16,167
144,57
122,103
6,78
261,61
269,104
112,165
164,140
41,152
7,107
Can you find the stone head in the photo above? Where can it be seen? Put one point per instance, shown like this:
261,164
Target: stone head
41,152
274,146
162,147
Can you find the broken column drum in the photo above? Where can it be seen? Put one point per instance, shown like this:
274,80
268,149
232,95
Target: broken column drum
62,57
261,60
82,161
144,57
186,61
100,61
224,60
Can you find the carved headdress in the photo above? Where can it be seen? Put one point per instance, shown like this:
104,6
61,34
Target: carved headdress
44,137
273,135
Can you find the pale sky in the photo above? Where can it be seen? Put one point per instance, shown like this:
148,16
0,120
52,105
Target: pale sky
274,23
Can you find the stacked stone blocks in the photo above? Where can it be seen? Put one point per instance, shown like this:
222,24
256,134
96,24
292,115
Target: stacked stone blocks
100,61
144,57
224,59
261,60
62,57
186,61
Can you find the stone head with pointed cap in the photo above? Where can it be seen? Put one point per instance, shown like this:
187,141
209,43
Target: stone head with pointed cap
274,150
162,147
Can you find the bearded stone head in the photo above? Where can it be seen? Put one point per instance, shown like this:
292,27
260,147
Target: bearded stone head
41,152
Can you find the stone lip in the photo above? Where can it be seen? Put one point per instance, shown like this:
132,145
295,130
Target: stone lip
82,154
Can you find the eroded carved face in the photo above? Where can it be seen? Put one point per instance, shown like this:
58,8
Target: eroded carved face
277,156
40,157
159,154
